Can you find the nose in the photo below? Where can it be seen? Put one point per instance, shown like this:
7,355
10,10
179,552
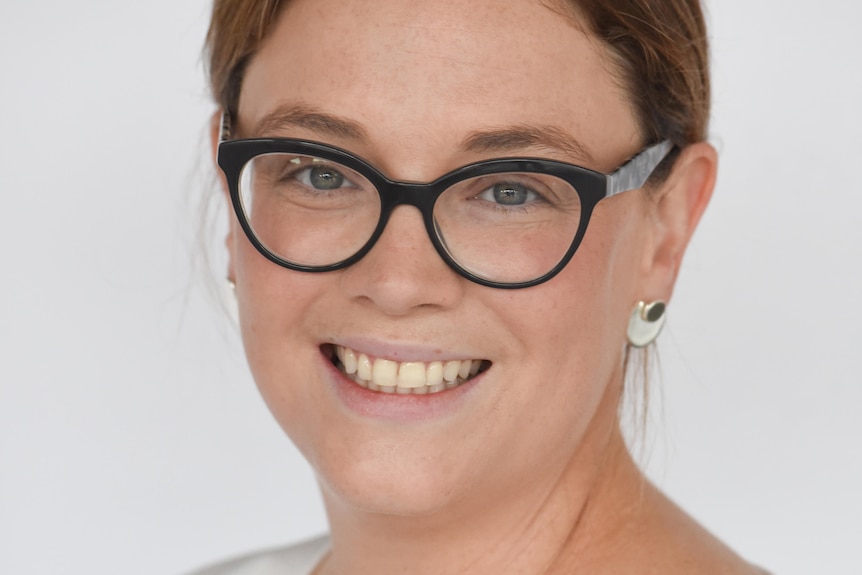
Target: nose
403,272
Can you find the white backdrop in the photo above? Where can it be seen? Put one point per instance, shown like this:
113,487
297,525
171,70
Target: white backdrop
131,437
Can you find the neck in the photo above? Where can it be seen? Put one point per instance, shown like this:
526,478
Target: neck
550,523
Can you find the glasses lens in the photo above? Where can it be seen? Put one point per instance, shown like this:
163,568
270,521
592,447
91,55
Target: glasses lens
308,210
508,227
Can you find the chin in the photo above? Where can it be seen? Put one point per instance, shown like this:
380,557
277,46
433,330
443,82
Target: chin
368,489
386,478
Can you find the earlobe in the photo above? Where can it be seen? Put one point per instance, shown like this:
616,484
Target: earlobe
679,204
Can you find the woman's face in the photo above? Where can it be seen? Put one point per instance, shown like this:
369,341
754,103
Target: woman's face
404,85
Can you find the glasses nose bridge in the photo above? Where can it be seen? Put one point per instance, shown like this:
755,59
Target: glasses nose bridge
420,196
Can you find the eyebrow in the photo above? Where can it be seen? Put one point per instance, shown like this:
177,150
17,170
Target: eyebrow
518,137
513,138
310,118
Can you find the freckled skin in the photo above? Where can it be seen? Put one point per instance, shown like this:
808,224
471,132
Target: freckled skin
498,484
399,72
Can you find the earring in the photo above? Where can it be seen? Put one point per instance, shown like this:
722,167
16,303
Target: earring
230,302
646,322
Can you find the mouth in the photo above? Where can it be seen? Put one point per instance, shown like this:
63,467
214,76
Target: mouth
404,378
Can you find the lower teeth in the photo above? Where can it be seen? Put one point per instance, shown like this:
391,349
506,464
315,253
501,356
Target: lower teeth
424,390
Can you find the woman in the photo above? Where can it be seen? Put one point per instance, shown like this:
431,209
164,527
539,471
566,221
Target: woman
454,220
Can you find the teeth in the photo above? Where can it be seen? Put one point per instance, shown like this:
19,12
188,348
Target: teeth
464,370
364,367
412,377
349,361
384,373
451,369
434,375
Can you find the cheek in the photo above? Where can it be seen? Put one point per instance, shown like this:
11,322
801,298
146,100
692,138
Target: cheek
273,300
573,327
269,303
273,308
584,308
606,270
568,346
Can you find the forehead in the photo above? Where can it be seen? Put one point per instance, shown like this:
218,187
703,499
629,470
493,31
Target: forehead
431,71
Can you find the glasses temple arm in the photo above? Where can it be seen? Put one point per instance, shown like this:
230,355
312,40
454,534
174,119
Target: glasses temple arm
224,133
635,173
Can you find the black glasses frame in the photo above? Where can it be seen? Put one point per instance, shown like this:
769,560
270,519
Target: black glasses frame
591,186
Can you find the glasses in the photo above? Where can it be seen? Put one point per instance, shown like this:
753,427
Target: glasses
503,223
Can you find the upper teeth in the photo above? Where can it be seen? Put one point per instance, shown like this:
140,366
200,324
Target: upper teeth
405,377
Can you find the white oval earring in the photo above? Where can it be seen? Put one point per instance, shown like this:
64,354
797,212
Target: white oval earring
230,300
646,322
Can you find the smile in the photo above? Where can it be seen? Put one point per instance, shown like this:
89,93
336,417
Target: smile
409,377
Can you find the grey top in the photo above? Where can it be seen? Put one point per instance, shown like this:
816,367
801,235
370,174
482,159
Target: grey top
299,559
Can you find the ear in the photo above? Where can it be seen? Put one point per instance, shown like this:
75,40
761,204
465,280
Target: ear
215,131
678,204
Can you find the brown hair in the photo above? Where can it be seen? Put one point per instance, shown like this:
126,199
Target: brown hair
661,51
237,28
659,48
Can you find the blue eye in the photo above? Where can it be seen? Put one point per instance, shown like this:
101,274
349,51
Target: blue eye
508,194
321,178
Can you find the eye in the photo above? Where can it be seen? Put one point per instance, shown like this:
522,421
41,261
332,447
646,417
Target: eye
509,194
322,178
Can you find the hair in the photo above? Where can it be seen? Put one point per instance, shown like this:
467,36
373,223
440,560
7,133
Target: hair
659,49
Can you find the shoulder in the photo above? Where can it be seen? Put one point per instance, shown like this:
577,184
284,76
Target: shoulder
297,559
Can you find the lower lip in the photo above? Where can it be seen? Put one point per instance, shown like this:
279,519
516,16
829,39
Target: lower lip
395,407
